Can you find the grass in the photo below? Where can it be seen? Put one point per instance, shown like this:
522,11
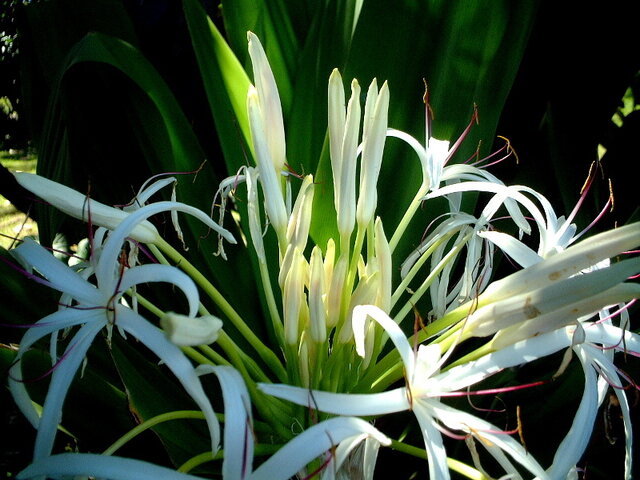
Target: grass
13,223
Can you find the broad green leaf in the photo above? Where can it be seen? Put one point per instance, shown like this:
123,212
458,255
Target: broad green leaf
225,82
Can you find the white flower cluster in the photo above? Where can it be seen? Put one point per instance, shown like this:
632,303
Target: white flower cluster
339,306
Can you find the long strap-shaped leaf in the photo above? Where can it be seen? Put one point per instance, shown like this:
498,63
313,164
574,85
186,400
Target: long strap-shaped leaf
225,83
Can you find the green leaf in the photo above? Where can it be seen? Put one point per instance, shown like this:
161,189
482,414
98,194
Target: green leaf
225,83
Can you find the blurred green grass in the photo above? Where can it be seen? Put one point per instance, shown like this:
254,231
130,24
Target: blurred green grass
14,224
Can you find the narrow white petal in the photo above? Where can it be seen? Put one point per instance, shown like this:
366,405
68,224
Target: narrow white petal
100,466
360,404
147,191
61,379
128,228
574,444
48,325
524,351
162,273
154,339
462,421
238,428
59,275
610,335
517,250
436,454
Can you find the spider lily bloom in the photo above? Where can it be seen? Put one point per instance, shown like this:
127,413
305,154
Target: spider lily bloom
594,344
93,307
421,395
80,206
344,432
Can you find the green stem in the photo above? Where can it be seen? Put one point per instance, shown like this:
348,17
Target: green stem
416,267
193,462
153,421
276,321
406,218
263,351
450,256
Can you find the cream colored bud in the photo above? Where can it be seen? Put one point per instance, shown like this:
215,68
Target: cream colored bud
269,102
293,296
187,331
383,255
300,219
317,309
269,175
373,146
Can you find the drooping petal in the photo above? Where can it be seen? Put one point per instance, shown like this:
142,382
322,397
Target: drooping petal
111,249
436,454
610,374
74,465
154,339
458,420
162,273
59,320
61,379
59,275
312,443
513,247
354,454
238,424
575,442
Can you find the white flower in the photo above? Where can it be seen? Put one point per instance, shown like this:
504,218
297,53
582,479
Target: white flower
421,395
94,307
